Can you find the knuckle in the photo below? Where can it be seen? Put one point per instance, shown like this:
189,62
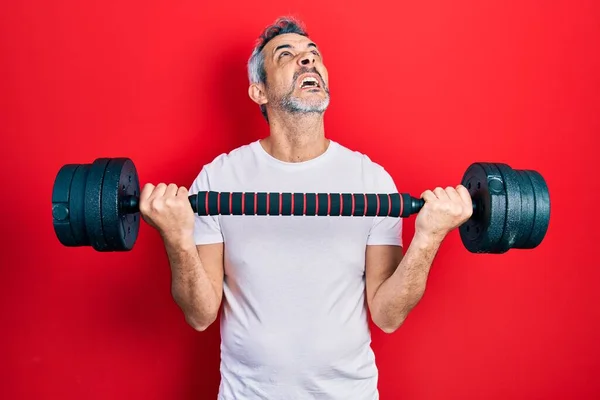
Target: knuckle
449,208
157,205
143,207
170,202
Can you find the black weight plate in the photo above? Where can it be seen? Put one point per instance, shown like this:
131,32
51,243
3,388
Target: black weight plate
120,228
542,210
483,231
93,204
77,205
61,191
513,227
527,209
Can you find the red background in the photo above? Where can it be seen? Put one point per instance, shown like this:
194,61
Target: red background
424,88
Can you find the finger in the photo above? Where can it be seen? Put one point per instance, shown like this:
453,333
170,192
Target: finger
171,190
159,190
182,191
464,194
428,195
146,192
453,195
440,193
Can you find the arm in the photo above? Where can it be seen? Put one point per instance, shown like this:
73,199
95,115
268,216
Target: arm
395,283
194,248
197,280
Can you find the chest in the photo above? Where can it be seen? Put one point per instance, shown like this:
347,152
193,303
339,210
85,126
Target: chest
295,239
307,243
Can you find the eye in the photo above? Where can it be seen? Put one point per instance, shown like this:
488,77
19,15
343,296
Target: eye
283,53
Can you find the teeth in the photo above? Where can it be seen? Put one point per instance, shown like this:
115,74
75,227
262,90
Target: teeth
310,79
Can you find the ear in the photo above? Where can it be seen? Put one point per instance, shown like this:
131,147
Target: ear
257,93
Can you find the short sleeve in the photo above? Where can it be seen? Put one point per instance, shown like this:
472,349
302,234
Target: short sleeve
385,230
207,229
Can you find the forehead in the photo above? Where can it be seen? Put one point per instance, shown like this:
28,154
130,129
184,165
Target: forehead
293,40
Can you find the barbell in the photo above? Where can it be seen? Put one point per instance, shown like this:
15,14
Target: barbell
97,205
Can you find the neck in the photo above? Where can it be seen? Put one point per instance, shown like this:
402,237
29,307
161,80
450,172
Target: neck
296,138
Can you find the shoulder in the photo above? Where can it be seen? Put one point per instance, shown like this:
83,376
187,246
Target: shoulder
235,157
366,164
226,163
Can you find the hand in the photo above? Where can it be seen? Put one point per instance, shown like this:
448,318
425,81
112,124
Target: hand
443,211
167,209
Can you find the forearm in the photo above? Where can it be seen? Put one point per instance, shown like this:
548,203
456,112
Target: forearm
403,290
191,286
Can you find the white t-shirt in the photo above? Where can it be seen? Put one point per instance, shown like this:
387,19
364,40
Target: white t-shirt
294,322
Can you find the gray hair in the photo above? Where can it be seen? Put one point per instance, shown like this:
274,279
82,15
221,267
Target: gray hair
256,63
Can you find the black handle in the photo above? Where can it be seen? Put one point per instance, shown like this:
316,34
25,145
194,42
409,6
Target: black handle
308,204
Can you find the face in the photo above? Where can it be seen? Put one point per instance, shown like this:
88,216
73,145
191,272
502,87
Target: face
297,80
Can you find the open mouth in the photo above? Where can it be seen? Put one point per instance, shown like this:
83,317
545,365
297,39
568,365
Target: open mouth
310,82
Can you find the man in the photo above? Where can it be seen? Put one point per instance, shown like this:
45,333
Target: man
296,289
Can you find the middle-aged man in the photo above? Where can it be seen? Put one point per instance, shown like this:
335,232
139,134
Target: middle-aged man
296,290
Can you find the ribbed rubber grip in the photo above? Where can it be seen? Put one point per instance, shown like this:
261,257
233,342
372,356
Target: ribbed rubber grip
307,204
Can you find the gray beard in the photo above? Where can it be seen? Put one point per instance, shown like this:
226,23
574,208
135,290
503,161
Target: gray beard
294,105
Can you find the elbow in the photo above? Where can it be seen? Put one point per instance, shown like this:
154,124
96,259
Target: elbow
198,327
200,324
389,319
388,322
389,329
390,325
196,315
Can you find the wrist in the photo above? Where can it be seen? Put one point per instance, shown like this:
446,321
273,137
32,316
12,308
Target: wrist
426,240
179,239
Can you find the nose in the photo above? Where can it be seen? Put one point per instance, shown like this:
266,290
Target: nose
307,59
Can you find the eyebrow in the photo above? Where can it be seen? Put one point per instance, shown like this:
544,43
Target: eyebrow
287,46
